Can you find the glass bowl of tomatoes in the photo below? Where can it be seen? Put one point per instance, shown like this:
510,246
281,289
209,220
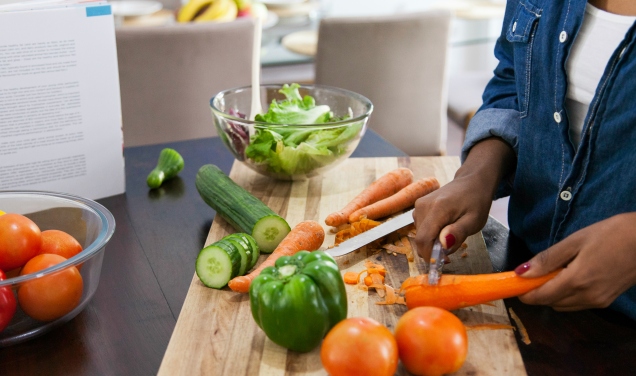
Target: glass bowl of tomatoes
51,251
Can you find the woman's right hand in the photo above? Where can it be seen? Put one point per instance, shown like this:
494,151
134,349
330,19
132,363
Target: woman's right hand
460,208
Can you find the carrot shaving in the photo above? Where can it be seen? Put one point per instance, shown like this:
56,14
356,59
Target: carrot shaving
465,254
391,298
464,245
395,249
489,327
356,228
522,329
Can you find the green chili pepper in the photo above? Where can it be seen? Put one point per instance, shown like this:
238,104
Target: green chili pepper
299,299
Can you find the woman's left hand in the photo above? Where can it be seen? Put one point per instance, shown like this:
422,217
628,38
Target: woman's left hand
599,261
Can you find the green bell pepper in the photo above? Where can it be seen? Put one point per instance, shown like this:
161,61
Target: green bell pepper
299,299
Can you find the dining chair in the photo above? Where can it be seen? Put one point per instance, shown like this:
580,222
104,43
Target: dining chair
168,74
397,61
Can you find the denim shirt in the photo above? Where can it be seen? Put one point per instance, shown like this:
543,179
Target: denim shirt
555,189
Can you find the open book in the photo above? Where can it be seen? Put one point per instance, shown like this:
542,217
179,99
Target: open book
60,110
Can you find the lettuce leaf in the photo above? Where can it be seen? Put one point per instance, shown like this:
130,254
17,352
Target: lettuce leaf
290,151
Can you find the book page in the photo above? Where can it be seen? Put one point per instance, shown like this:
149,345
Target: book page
60,110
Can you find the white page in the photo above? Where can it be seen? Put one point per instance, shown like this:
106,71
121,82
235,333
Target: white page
60,110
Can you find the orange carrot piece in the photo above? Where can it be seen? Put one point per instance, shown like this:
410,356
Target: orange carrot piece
387,185
307,235
351,278
403,199
458,291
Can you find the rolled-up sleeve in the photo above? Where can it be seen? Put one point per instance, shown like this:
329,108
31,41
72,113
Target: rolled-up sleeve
499,114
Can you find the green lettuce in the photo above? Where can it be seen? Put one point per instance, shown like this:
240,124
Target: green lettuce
289,151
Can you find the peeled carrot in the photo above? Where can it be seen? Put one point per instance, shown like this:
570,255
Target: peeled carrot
459,291
387,185
403,199
305,236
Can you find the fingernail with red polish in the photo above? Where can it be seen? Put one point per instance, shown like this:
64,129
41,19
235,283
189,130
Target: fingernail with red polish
522,268
450,240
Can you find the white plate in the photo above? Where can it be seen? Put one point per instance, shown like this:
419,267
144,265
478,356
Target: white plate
125,8
280,3
271,20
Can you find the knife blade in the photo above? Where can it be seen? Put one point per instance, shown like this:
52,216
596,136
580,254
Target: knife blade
377,232
436,263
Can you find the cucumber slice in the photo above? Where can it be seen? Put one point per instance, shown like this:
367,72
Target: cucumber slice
216,265
241,238
269,231
246,257
255,250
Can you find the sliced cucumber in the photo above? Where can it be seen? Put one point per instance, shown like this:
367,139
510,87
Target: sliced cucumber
216,265
253,247
241,248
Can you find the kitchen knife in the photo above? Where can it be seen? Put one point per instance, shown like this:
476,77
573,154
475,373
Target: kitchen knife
436,263
377,232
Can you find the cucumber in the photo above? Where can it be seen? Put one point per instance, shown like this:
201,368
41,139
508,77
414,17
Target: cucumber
253,247
246,255
217,264
168,166
240,208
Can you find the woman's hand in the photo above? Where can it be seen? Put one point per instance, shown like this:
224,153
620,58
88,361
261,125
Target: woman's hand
460,208
599,261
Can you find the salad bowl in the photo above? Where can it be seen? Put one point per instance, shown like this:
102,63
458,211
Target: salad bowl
303,131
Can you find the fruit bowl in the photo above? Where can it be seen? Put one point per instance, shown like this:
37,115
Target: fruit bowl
91,224
275,144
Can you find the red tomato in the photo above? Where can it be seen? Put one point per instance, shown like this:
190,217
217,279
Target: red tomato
7,304
359,346
431,341
59,243
20,240
53,296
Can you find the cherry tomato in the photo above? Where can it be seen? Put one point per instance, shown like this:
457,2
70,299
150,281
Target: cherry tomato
431,341
8,304
359,346
20,240
59,243
52,296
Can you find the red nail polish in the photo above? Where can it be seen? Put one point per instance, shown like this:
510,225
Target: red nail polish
522,268
450,240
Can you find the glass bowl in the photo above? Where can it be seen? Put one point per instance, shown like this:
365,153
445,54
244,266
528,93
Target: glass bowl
322,146
87,221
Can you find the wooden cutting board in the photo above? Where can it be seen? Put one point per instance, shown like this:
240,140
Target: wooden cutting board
216,334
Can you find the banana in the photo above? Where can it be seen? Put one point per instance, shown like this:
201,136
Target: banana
219,11
208,10
191,9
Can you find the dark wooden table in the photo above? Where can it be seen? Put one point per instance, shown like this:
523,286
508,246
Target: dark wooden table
149,263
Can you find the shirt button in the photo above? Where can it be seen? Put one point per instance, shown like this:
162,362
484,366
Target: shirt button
566,196
514,26
557,117
563,36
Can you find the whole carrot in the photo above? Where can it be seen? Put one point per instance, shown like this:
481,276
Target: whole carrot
387,185
403,199
305,236
459,291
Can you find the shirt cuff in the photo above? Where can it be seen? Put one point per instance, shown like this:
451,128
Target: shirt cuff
494,122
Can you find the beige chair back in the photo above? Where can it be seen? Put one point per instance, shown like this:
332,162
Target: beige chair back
168,74
399,63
